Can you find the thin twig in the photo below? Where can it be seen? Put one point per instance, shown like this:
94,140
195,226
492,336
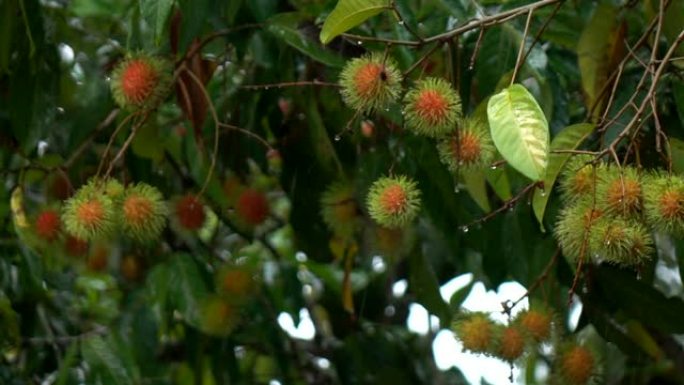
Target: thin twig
314,82
518,61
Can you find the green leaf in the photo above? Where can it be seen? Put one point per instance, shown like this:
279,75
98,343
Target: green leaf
568,139
105,362
423,283
520,130
460,296
348,14
677,155
155,13
476,184
186,287
285,26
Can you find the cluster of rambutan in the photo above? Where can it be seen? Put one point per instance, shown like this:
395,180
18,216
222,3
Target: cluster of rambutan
611,212
574,363
431,108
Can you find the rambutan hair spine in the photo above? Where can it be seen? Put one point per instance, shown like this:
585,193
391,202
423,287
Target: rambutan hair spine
370,82
90,213
476,331
394,201
143,213
141,81
432,107
467,148
664,203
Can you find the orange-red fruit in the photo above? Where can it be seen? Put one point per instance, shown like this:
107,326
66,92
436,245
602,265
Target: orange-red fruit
48,225
138,80
190,212
393,199
577,365
367,128
75,247
252,206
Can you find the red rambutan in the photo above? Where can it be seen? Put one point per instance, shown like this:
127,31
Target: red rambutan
48,225
252,206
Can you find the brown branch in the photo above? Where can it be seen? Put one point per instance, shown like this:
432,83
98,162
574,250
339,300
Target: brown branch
314,82
507,205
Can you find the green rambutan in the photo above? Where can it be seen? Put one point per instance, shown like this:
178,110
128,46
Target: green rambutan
575,226
621,241
339,209
664,203
476,331
580,177
218,317
393,201
468,147
509,342
235,283
576,364
432,107
141,81
370,82
143,213
252,206
48,225
89,214
189,212
619,190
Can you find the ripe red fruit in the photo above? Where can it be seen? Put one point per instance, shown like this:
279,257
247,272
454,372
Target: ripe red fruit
141,81
252,206
190,212
75,247
367,128
48,225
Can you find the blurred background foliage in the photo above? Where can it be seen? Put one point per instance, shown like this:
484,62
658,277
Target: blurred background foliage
117,313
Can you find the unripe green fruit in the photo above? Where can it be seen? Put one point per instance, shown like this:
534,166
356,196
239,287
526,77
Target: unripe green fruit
468,147
574,228
89,214
432,108
476,332
510,342
339,209
394,201
370,82
580,177
536,323
576,364
621,241
143,213
620,191
664,203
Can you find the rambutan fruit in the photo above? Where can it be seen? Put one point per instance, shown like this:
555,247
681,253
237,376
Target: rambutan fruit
576,364
252,206
235,282
393,201
141,81
98,259
620,191
432,107
339,209
476,331
664,203
509,342
189,212
575,226
218,317
580,177
370,82
367,128
143,213
131,268
536,323
89,214
75,247
621,241
48,225
468,147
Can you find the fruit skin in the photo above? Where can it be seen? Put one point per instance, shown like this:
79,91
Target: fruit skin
476,331
536,323
90,213
252,206
393,201
575,226
75,247
620,241
235,283
370,82
620,191
218,317
509,342
48,225
432,108
664,203
469,147
576,364
141,81
189,212
580,177
143,213
339,209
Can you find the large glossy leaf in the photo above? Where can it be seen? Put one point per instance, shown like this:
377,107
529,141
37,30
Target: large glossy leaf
568,139
423,283
285,26
476,184
520,130
106,362
187,288
155,12
348,14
